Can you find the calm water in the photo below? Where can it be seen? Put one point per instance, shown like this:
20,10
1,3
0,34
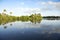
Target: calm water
45,30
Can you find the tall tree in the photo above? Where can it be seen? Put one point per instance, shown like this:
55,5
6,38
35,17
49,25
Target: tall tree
10,12
4,10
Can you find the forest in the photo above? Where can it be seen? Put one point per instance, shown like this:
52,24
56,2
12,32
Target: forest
5,18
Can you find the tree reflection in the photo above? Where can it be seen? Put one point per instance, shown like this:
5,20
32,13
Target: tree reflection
33,21
5,27
36,21
10,24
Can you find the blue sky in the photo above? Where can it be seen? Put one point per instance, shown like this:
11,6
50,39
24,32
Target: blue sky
27,7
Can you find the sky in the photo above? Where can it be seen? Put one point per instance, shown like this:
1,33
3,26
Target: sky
28,7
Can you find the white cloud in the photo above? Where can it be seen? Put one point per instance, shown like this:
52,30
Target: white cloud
24,11
57,5
50,5
28,9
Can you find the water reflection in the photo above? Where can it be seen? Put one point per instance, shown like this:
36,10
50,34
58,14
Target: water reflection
31,30
51,18
33,21
11,24
5,27
36,21
7,23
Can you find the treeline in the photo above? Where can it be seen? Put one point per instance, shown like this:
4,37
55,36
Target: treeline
7,18
4,18
51,16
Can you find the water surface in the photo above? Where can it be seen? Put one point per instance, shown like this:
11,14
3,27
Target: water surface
44,30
